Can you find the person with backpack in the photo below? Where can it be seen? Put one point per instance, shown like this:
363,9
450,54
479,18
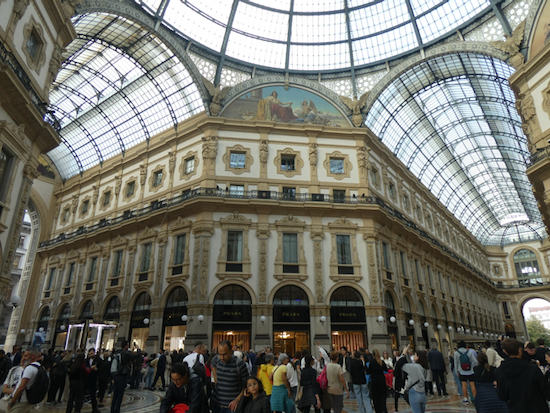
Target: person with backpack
186,387
417,373
464,369
33,386
120,369
230,377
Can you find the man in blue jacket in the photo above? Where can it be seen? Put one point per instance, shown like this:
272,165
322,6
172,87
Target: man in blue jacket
437,365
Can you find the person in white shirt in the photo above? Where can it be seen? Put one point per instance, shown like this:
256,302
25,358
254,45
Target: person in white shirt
19,402
198,351
292,377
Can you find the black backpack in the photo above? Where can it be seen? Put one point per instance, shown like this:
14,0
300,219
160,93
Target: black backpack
37,392
200,370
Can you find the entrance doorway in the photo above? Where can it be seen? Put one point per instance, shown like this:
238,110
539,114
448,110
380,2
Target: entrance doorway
290,342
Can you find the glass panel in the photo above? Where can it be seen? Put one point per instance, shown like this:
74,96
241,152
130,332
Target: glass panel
145,257
70,276
179,252
91,273
336,166
51,279
237,160
343,249
117,265
290,248
234,246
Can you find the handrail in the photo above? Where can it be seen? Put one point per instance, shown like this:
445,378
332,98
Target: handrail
264,195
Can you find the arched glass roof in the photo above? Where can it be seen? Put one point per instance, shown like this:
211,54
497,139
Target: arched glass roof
119,86
452,121
314,35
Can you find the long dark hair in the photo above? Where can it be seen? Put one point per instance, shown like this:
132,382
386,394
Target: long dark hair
422,359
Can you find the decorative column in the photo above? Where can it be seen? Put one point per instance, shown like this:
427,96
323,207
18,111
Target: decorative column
198,304
317,236
129,276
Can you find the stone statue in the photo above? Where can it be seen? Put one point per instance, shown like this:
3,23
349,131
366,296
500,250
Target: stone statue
142,174
20,7
118,182
209,147
511,45
263,151
217,94
55,62
363,157
355,106
313,154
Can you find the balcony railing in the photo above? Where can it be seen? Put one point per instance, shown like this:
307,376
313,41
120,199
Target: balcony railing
516,284
262,195
9,60
539,155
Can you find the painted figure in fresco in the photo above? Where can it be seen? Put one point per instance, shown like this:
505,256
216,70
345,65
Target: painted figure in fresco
271,108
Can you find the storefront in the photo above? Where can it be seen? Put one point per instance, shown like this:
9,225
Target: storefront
139,322
232,316
291,321
393,332
175,320
39,336
62,328
423,327
111,317
409,329
348,319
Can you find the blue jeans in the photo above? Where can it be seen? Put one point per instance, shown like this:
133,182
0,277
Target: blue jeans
363,398
458,384
418,401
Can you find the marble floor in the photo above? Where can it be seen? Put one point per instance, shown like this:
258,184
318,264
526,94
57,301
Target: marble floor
146,401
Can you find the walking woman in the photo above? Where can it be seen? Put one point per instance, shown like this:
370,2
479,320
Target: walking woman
417,374
376,369
336,383
281,395
487,400
311,393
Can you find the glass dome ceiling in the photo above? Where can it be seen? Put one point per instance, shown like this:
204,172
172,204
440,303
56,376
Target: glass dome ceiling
452,121
314,35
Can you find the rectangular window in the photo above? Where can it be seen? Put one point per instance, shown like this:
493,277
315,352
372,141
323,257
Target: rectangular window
237,160
236,190
336,166
289,192
288,162
51,278
403,263
417,268
145,257
505,308
430,280
418,213
21,241
91,272
190,165
386,254
406,202
106,198
392,190
339,195
85,206
234,251
343,253
374,176
157,178
117,268
6,167
130,189
179,251
70,276
440,280
290,248
66,214
33,44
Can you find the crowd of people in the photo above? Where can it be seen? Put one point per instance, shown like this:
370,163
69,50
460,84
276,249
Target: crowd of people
512,377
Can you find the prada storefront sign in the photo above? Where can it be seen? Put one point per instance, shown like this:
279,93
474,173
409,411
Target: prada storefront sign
291,314
347,314
172,316
137,319
233,313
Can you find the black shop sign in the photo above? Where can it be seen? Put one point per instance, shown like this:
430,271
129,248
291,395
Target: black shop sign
347,315
233,313
290,314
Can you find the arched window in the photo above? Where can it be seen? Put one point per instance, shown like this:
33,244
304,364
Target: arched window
527,268
113,309
421,310
232,295
388,300
65,313
290,295
407,306
346,297
87,311
143,302
177,298
45,314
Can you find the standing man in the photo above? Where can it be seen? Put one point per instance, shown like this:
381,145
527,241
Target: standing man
344,361
120,369
76,383
493,358
520,383
465,362
437,364
198,351
29,361
5,366
541,352
90,377
15,355
230,379
161,366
